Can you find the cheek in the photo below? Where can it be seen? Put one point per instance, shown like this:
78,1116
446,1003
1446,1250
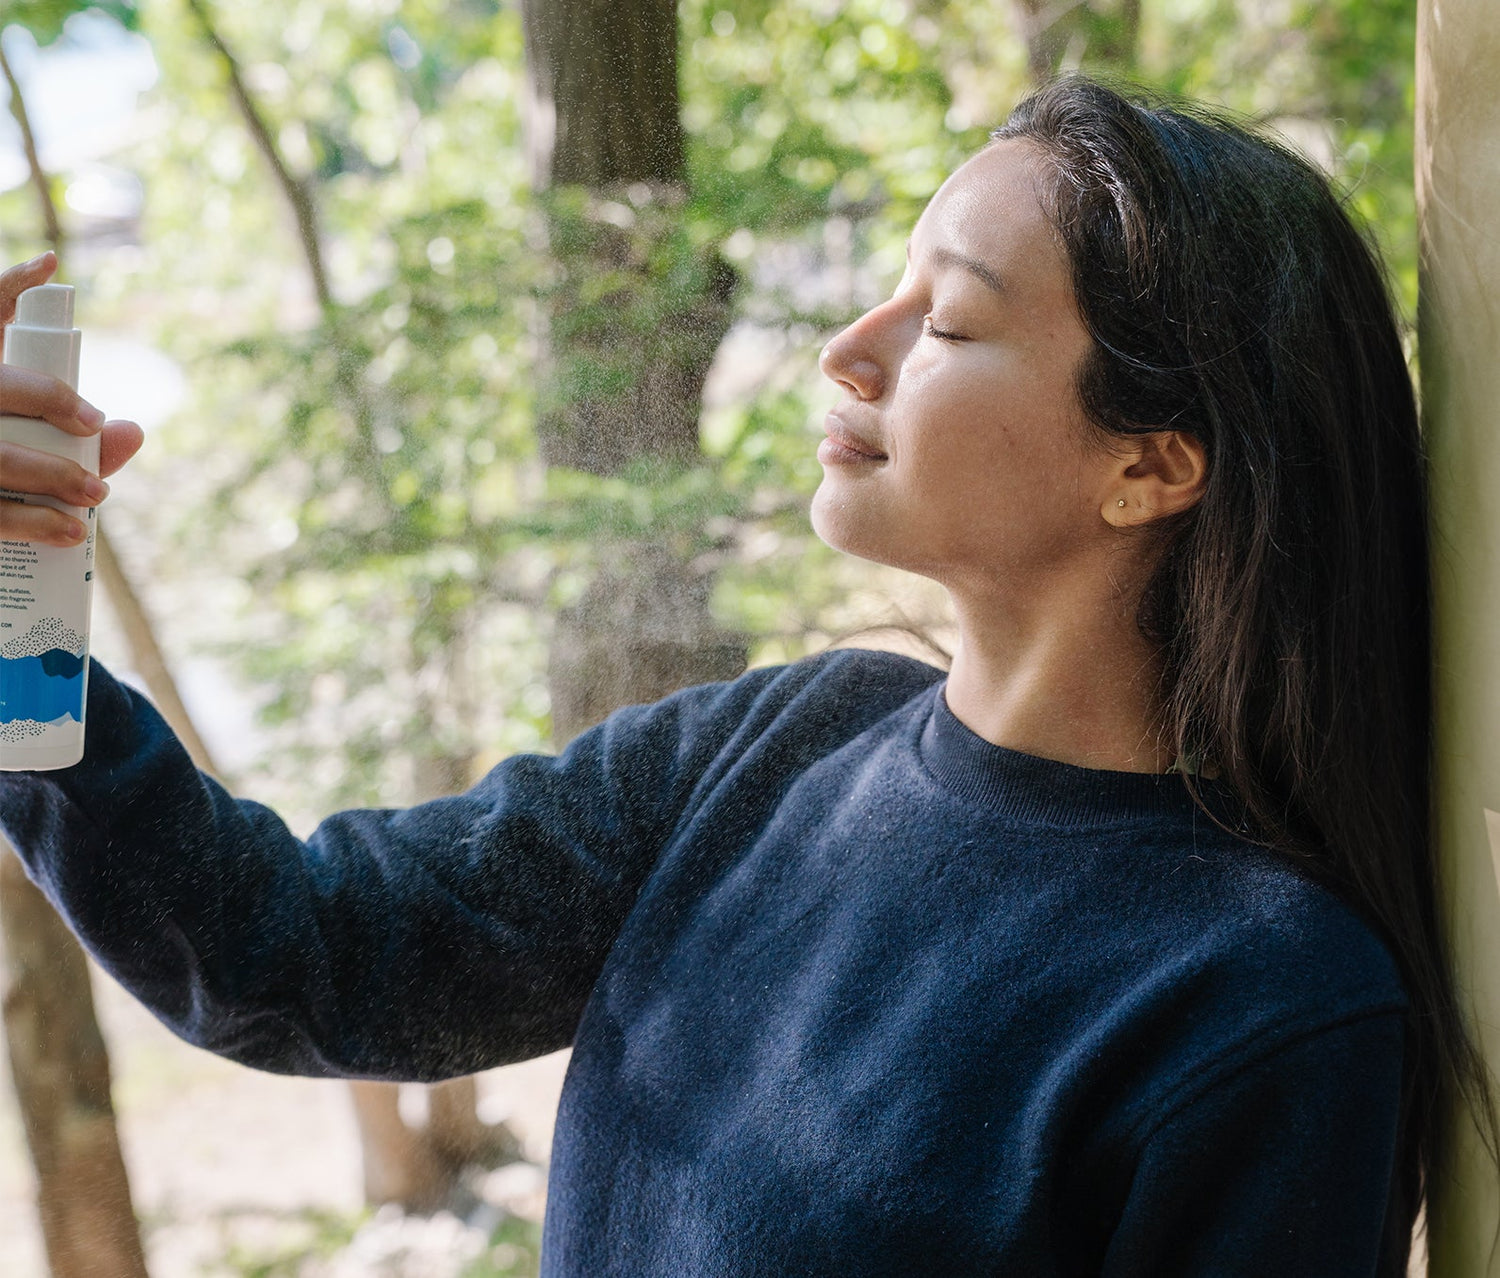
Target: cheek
968,435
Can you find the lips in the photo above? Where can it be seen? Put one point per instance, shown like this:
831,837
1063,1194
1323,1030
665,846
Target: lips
849,441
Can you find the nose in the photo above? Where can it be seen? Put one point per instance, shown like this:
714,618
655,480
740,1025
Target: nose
854,358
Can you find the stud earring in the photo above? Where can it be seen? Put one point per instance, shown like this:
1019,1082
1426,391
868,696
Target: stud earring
1122,501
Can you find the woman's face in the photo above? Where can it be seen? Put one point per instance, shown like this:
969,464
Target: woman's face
957,449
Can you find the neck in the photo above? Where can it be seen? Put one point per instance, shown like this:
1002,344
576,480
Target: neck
1073,684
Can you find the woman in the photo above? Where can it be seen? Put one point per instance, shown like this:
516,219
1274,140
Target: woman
1114,952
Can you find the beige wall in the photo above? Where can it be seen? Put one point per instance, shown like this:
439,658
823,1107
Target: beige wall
1458,192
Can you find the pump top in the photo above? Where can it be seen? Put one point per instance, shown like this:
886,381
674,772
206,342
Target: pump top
46,306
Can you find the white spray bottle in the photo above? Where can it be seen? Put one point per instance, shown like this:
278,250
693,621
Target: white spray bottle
45,591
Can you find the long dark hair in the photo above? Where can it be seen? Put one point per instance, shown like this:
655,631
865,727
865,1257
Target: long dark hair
1229,294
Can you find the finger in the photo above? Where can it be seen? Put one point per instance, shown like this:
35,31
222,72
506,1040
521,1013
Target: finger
18,279
120,442
21,521
27,393
31,471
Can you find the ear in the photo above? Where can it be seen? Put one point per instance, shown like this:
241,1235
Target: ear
1162,473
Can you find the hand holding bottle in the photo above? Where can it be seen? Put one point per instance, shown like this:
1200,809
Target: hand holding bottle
26,393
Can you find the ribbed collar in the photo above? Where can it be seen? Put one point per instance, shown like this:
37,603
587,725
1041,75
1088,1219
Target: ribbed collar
1026,788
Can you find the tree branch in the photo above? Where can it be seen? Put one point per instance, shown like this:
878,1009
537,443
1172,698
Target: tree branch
145,652
347,372
39,181
293,188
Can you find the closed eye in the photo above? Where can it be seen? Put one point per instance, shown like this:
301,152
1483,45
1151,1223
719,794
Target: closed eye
942,335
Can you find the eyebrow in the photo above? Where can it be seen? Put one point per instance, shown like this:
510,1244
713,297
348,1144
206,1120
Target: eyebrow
947,257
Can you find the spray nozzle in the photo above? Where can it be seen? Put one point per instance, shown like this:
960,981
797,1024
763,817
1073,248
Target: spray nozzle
46,306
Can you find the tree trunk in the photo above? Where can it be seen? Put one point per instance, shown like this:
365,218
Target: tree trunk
1059,32
61,1074
603,78
457,1135
419,1167
622,374
642,630
1045,33
399,1164
1458,208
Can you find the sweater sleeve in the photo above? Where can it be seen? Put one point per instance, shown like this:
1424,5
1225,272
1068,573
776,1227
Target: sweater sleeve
411,944
1282,1167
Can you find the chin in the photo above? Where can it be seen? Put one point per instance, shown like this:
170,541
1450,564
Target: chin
840,523
830,518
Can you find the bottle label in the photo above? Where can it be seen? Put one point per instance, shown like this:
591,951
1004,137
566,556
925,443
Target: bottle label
43,650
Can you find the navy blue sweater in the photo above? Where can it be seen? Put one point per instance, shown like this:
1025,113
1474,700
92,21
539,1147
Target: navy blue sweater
850,990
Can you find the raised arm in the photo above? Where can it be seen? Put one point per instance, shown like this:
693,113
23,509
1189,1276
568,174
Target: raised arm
412,944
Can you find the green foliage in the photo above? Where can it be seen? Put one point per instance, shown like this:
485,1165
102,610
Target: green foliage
626,286
796,109
1336,77
308,1237
514,1251
45,19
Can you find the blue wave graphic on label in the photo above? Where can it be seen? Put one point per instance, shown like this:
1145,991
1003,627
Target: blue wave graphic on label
42,688
41,679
